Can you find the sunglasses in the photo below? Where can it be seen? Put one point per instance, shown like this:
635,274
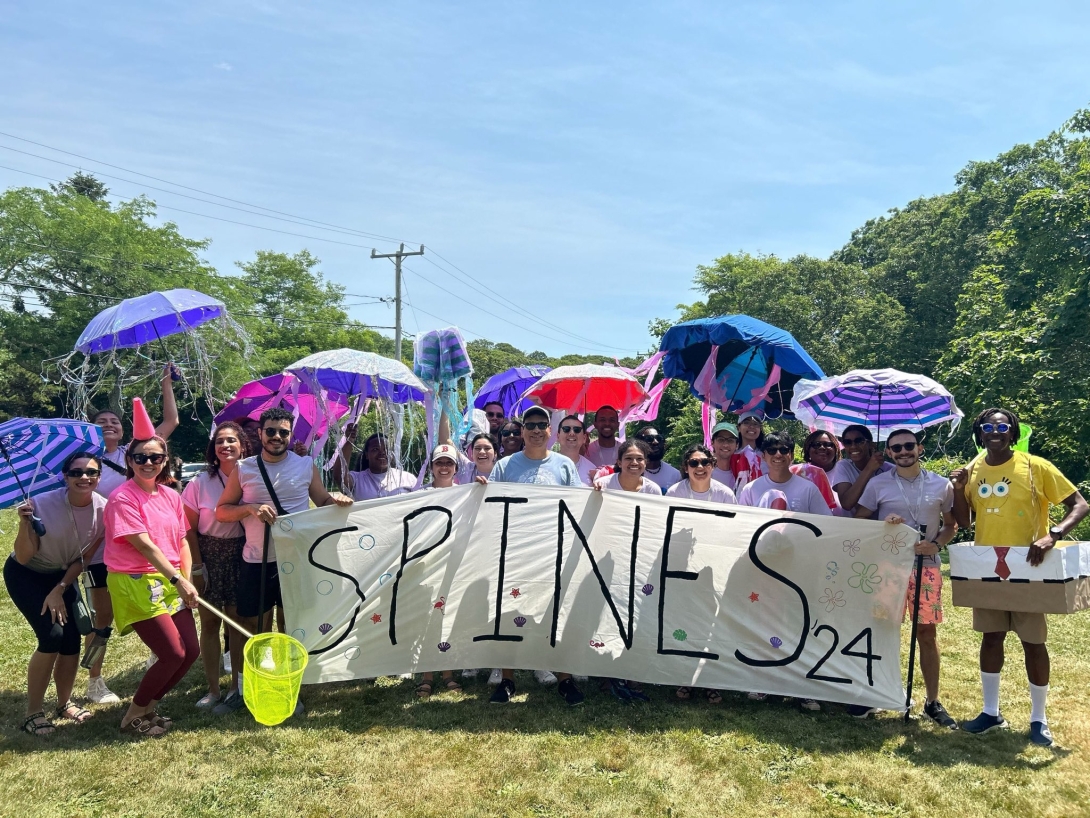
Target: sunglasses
155,459
572,430
76,474
822,444
649,439
539,426
778,450
897,447
699,463
494,414
283,434
853,441
509,433
988,428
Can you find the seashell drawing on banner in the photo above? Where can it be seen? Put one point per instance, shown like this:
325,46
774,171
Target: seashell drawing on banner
648,590
444,647
775,641
520,621
324,628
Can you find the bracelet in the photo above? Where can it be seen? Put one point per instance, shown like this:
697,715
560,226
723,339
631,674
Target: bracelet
196,571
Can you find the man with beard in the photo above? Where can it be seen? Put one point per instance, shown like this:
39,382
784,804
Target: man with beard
603,451
660,473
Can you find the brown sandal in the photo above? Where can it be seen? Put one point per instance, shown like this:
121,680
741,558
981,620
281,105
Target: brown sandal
143,728
38,725
166,722
452,686
81,715
423,690
714,696
684,693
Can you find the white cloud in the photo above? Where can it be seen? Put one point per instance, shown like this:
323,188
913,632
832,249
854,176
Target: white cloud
223,66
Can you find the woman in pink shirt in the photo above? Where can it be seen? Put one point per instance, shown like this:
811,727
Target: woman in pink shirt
148,563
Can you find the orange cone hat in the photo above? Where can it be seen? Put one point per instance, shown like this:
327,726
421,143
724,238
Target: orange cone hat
142,427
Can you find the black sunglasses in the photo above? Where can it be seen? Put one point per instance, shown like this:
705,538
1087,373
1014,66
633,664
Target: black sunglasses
509,433
699,463
494,414
572,430
896,447
778,450
75,474
283,434
854,441
155,459
649,438
822,444
540,425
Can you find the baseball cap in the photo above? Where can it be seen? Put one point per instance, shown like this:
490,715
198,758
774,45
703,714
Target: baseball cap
752,413
725,427
444,450
535,410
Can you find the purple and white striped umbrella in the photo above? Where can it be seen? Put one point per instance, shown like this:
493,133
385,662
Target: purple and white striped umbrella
32,451
880,399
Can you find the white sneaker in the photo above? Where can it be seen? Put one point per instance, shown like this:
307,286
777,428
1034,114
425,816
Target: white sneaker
267,662
810,704
544,677
227,662
98,693
756,697
151,661
469,673
495,676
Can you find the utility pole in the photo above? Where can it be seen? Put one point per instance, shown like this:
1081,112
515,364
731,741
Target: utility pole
400,254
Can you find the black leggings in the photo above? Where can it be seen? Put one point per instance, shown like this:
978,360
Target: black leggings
28,590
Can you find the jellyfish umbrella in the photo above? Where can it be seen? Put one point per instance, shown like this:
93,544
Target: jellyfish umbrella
735,363
506,388
286,392
586,388
360,374
148,318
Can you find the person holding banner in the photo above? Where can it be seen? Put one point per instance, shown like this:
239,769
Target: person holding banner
377,478
628,474
797,493
113,475
862,460
1010,493
40,574
275,481
537,465
922,500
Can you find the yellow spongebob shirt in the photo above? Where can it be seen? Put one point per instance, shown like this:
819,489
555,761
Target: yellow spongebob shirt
1002,499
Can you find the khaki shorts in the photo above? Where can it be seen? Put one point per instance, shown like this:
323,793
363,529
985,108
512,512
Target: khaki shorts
1031,628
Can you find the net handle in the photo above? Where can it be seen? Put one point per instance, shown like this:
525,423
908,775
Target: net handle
224,617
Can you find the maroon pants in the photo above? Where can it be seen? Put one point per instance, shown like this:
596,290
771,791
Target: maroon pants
174,640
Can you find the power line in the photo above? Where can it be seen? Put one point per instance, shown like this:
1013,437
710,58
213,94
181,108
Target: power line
473,282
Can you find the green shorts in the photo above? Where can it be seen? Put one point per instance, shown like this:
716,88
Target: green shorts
137,597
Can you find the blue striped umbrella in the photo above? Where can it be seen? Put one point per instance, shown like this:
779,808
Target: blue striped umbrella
880,399
32,451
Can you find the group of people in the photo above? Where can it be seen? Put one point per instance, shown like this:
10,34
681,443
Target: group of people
150,551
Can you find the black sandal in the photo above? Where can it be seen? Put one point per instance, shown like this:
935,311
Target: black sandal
82,713
38,725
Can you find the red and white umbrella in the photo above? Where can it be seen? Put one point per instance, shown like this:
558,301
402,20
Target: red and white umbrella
586,388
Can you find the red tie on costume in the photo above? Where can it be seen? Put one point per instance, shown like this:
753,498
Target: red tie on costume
1001,568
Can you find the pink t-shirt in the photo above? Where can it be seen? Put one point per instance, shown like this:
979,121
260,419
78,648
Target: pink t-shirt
131,510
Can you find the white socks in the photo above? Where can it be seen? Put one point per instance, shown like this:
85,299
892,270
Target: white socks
989,683
1037,696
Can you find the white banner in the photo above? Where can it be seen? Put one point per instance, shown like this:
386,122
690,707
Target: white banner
609,584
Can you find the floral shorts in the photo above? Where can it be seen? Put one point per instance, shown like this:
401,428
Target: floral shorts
930,595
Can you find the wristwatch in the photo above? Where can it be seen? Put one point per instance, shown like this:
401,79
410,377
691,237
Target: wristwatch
1056,532
174,579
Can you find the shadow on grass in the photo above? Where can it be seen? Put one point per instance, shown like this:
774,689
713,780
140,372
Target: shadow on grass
373,708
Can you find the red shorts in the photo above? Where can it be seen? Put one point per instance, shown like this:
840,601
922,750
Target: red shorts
930,596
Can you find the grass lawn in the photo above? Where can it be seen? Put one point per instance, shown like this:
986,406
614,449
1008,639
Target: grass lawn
372,749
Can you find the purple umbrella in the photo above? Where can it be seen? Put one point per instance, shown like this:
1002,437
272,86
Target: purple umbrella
147,318
276,390
507,387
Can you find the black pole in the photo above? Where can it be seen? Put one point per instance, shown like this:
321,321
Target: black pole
35,521
915,626
264,569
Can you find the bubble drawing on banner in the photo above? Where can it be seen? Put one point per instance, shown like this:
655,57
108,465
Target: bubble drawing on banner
286,567
367,542
832,568
286,525
325,587
382,580
299,634
352,653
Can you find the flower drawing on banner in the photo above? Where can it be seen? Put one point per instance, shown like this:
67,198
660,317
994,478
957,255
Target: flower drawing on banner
851,547
893,543
865,578
832,601
680,635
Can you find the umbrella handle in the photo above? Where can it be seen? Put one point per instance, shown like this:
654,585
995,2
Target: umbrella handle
38,526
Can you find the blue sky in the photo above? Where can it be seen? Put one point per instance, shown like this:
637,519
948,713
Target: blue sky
578,159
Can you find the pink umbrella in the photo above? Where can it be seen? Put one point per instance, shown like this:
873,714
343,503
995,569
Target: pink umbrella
276,390
586,388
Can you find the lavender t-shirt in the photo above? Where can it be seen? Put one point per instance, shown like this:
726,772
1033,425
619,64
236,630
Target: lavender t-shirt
929,495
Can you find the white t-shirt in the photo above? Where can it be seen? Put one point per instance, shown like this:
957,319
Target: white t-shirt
202,495
801,494
585,468
369,486
716,493
290,480
613,483
600,456
665,477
